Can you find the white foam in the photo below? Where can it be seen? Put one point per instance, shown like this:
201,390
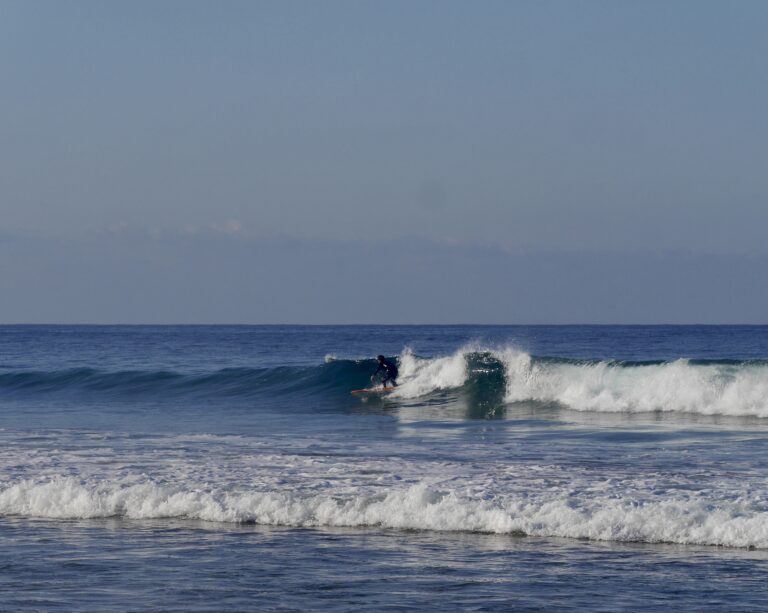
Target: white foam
676,386
304,482
419,377
741,522
679,386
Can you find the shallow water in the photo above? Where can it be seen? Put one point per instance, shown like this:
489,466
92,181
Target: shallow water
174,565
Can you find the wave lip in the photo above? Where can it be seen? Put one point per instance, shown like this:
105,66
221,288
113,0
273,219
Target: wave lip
739,522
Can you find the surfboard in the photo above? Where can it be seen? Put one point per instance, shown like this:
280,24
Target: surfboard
374,390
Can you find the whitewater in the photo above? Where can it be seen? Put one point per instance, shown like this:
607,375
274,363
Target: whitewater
494,497
517,447
704,387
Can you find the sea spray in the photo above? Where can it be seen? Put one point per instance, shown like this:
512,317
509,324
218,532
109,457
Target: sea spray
422,376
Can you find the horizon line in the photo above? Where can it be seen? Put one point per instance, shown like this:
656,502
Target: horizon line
376,325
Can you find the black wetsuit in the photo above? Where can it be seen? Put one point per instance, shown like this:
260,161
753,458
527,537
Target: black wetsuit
391,372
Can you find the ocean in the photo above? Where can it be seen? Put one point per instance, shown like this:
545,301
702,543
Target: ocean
228,468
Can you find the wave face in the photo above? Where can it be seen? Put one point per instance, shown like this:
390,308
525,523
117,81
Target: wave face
729,387
229,382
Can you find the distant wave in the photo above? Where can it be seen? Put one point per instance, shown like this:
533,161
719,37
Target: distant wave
496,375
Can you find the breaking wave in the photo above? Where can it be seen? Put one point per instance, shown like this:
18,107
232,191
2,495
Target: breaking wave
738,388
505,375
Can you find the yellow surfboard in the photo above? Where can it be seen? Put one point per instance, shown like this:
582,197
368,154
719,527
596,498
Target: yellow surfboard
373,390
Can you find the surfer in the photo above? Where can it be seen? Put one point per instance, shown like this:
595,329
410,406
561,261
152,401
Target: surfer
390,371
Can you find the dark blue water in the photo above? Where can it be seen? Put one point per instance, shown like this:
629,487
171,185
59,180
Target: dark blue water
190,468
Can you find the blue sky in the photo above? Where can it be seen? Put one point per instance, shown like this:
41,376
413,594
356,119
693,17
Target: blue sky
402,162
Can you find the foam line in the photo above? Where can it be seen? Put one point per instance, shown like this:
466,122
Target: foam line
740,522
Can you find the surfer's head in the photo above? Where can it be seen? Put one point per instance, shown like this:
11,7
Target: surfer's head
380,358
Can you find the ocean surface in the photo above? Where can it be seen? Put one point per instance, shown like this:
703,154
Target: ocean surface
211,468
